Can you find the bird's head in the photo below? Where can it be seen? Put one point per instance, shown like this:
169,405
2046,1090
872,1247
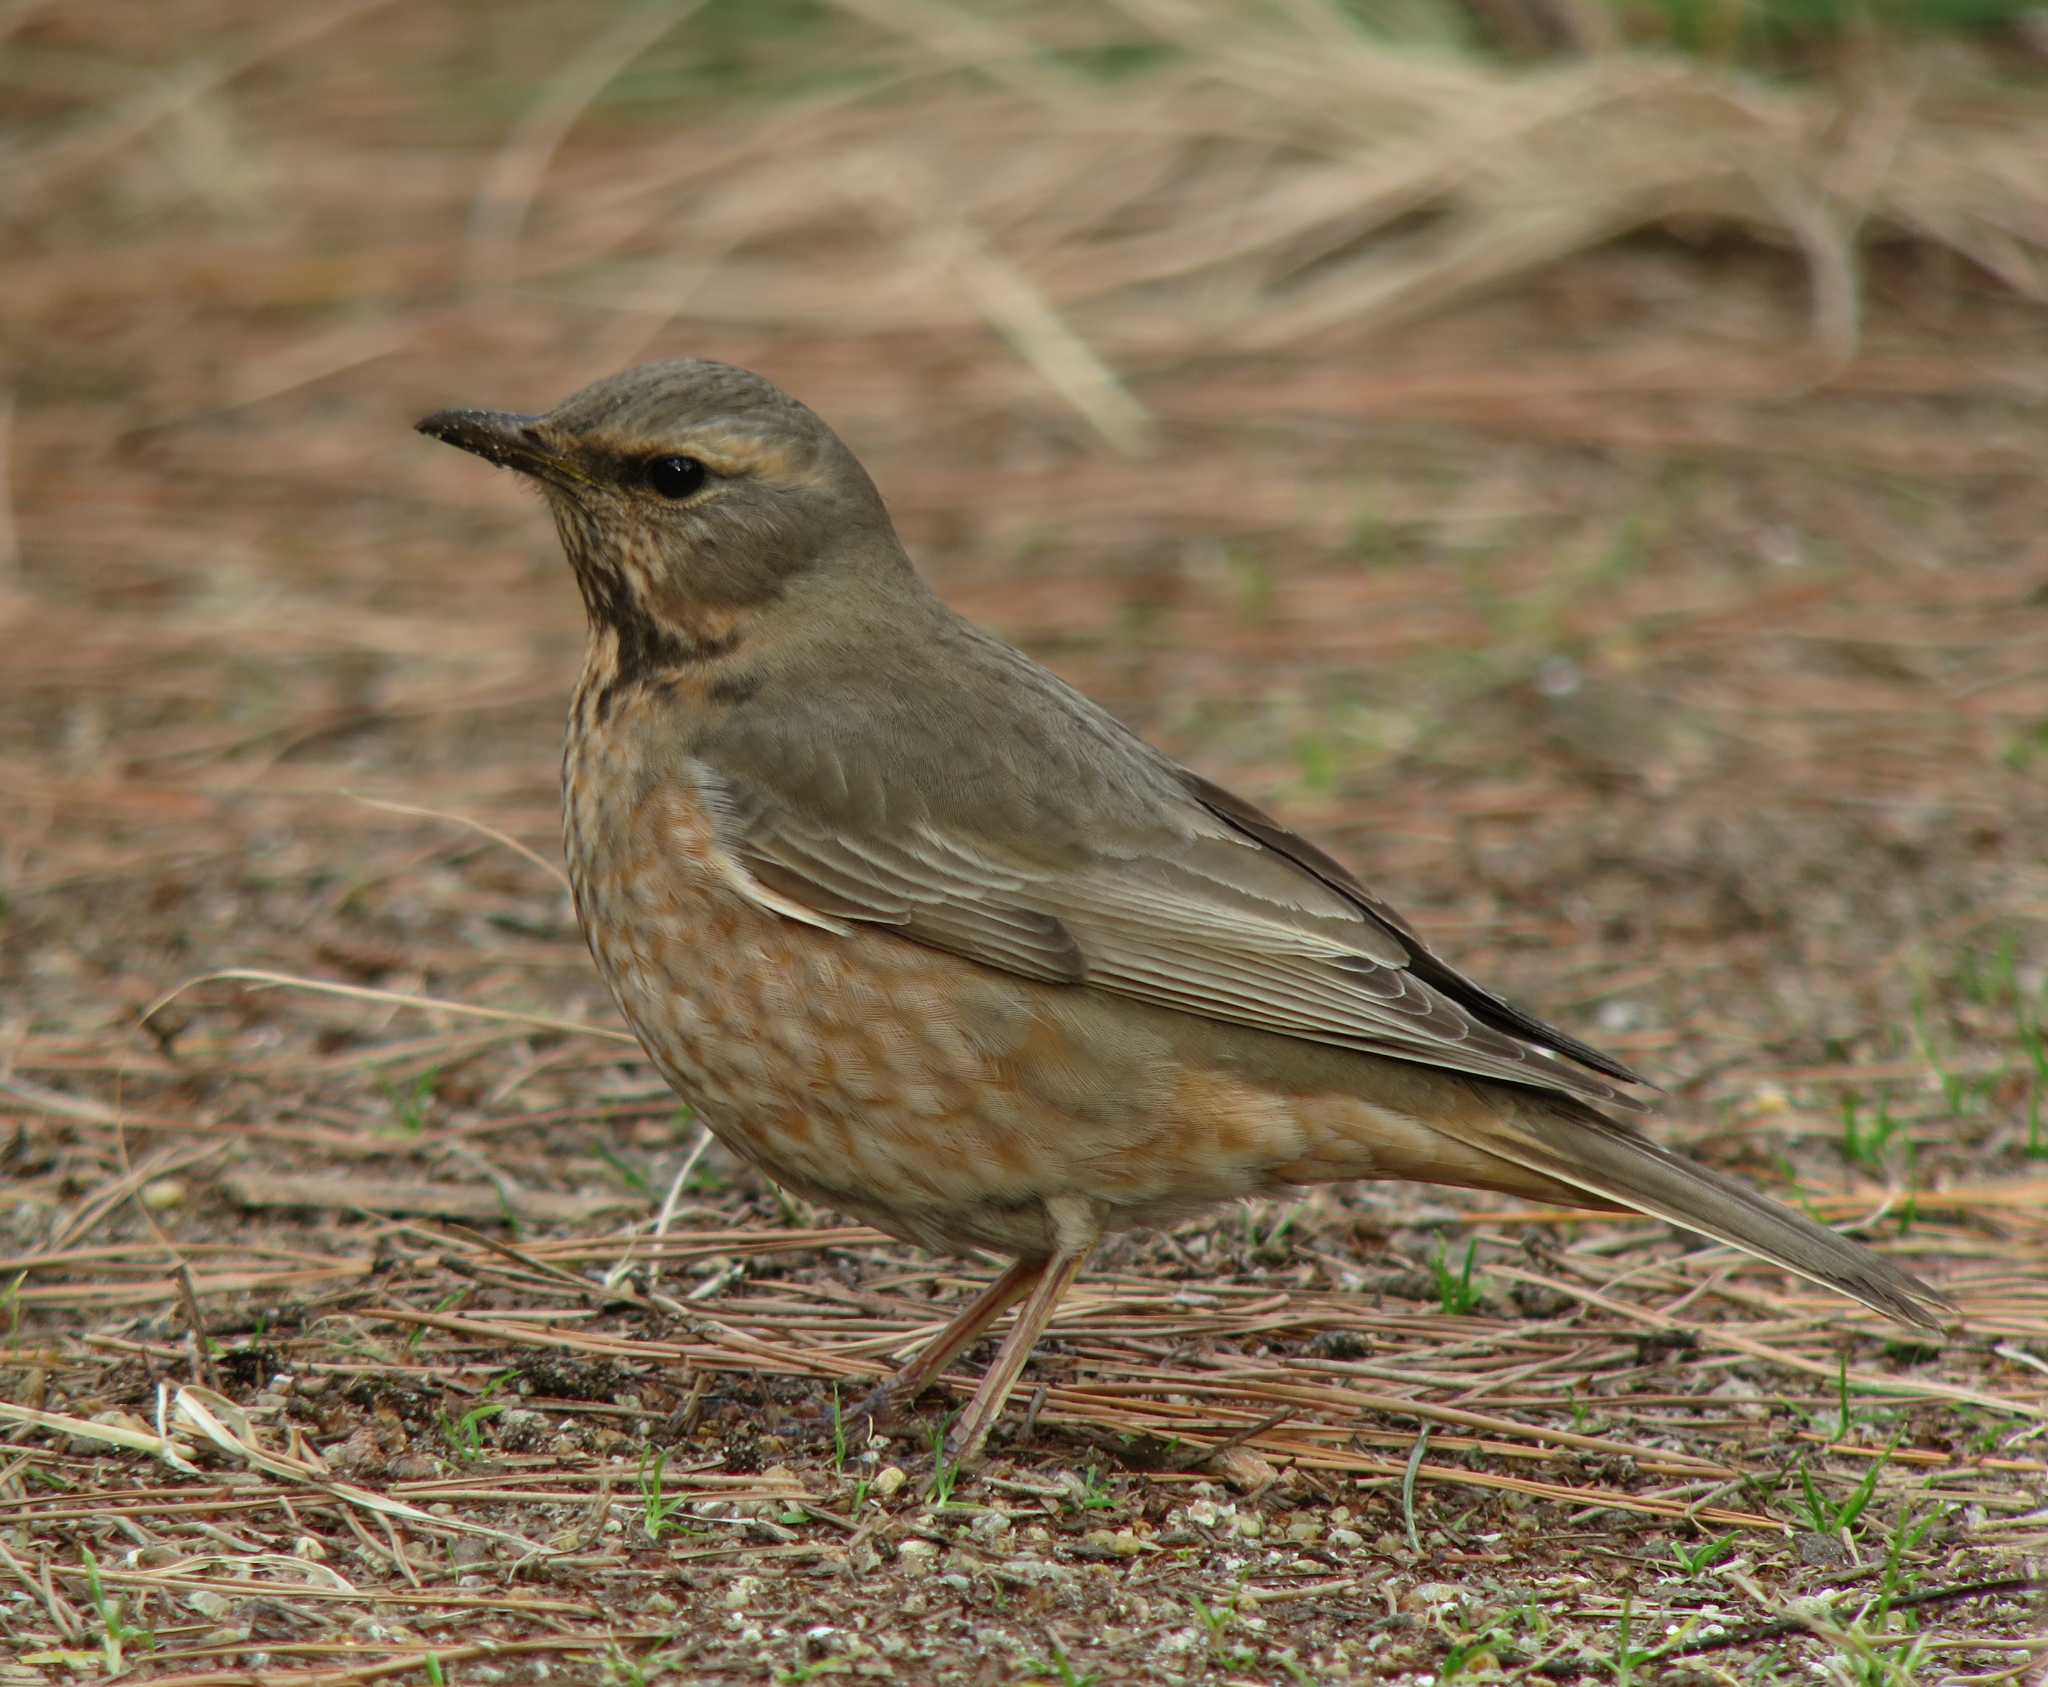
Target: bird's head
688,495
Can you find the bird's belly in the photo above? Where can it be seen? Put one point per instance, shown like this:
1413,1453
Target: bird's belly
940,1100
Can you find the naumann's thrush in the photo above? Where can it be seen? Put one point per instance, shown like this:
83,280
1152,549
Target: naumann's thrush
931,939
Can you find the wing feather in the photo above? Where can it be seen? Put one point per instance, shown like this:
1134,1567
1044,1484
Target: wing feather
1214,909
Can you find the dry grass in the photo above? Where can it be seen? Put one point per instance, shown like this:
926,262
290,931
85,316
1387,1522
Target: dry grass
1659,622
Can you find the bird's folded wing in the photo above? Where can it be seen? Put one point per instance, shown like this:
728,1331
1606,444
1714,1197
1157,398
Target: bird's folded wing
1206,906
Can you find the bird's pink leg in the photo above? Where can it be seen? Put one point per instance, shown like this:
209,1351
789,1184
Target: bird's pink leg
966,1327
969,1434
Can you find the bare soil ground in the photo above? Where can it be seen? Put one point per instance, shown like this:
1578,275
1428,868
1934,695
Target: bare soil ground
1669,646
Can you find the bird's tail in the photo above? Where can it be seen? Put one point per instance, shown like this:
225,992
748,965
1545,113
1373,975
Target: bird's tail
1568,1143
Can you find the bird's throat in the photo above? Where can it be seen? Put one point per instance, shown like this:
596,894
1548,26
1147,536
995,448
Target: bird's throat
634,643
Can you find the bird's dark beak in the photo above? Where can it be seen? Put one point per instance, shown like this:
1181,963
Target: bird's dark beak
511,441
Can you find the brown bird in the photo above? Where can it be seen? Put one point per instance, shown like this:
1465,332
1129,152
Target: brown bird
931,939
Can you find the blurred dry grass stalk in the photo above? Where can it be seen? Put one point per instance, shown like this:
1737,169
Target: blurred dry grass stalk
1276,176
1273,175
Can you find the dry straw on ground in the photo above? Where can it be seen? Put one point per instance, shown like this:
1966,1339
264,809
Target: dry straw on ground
1266,184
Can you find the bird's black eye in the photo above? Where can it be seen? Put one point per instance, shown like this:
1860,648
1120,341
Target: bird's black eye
676,477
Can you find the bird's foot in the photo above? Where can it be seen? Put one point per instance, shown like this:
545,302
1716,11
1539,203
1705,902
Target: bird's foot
888,1405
